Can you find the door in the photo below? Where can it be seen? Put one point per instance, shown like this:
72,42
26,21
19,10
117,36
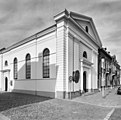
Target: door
84,81
6,83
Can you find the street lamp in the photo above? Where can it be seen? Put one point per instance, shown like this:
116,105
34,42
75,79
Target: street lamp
103,75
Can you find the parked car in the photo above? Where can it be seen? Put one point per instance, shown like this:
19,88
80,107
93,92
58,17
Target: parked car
119,90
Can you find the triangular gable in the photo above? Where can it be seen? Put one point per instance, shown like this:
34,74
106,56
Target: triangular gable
84,21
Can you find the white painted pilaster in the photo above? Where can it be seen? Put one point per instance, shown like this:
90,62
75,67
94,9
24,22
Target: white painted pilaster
1,67
81,75
89,80
61,67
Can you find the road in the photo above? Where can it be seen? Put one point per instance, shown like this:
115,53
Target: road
87,107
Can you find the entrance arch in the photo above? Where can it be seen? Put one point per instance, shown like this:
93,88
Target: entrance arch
84,80
6,83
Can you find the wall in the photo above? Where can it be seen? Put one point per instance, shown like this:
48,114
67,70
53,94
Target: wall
73,62
95,71
35,49
78,43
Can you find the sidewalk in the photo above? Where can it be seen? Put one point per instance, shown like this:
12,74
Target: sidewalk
111,99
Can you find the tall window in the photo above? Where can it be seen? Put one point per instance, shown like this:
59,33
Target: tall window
46,69
6,63
15,67
85,54
28,66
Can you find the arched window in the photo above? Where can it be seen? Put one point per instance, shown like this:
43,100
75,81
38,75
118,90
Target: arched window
85,54
28,66
86,28
46,68
15,68
6,63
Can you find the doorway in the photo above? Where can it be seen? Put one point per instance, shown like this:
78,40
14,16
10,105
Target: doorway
6,83
84,81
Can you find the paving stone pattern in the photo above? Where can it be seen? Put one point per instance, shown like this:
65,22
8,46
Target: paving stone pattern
57,109
29,107
11,100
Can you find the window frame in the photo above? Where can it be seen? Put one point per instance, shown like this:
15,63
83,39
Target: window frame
85,54
28,66
46,63
87,29
6,63
15,68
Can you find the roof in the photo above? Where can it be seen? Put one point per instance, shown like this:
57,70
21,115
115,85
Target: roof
28,39
66,14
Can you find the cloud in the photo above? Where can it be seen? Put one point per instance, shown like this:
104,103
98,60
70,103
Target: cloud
19,18
22,18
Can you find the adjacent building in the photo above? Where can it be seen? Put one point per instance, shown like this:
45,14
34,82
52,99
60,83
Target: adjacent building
115,72
108,69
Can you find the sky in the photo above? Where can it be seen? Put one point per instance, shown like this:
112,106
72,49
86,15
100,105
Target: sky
22,18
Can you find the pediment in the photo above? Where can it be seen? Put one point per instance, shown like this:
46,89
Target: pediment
83,22
87,62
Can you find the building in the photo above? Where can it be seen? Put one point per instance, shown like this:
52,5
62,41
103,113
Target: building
115,72
42,63
103,54
108,69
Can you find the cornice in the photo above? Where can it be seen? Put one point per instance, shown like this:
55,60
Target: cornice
82,40
86,62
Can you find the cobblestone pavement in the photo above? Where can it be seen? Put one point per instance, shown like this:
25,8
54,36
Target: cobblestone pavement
11,100
57,109
111,99
28,107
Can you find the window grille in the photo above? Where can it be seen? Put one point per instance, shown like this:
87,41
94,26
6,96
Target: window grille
46,68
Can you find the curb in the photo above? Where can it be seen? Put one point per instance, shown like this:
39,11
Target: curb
109,106
109,114
3,117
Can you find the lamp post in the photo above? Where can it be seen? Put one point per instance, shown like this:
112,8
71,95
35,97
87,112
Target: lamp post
103,76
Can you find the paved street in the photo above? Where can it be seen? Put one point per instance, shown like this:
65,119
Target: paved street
57,109
87,107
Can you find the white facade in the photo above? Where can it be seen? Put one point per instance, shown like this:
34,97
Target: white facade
66,40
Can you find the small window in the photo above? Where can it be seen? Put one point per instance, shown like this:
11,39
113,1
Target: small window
6,63
15,67
28,66
85,54
86,28
46,69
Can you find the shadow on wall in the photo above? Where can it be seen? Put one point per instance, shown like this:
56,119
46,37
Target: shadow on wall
36,76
